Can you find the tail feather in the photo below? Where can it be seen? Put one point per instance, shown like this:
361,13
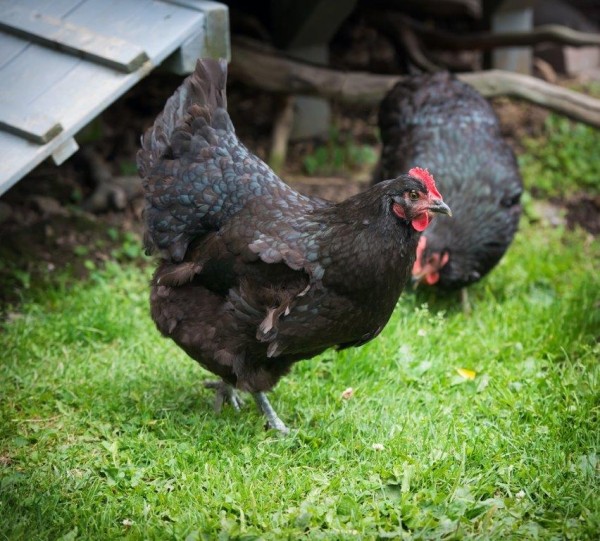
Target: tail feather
204,91
180,133
195,172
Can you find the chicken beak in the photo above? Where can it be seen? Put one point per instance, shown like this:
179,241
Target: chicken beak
439,207
429,275
416,280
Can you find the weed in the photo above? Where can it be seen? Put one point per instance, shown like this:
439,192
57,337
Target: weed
338,155
565,159
473,427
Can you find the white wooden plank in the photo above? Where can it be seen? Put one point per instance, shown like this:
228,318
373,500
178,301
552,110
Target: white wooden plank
79,40
32,125
75,91
58,8
152,25
216,40
213,41
78,97
64,151
11,46
34,72
39,68
85,92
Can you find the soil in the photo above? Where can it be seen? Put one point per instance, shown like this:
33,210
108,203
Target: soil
82,213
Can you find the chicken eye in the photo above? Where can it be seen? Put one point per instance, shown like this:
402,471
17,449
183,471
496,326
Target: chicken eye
413,195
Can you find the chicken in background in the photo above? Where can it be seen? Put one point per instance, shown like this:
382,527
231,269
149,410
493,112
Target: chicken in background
253,276
436,120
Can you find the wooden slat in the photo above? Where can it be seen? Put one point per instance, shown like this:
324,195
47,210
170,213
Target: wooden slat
31,125
79,40
152,25
65,150
213,41
75,90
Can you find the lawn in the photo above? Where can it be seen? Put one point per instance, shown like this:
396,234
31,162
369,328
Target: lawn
460,426
106,430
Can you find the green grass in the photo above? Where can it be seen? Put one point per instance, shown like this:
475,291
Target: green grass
339,155
106,431
563,160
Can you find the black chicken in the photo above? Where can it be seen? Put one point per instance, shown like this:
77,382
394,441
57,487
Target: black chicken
446,124
253,275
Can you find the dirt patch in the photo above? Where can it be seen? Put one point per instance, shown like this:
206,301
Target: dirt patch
519,120
35,254
583,210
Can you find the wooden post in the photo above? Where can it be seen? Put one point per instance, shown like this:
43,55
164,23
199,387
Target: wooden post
303,30
511,16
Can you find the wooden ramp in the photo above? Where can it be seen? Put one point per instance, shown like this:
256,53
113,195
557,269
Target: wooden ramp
62,62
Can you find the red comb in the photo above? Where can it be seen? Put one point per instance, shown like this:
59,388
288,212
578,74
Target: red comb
425,176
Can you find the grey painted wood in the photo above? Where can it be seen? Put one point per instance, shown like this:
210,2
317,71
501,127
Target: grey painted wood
32,125
64,151
59,8
11,46
153,25
213,41
511,16
79,40
304,30
74,90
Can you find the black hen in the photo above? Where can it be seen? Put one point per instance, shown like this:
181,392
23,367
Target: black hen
253,275
446,124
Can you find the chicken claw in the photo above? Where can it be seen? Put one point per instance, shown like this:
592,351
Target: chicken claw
273,420
224,393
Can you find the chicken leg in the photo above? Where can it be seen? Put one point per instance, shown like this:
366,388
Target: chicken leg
224,393
464,299
273,420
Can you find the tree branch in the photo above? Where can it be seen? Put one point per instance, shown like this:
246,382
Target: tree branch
402,34
270,70
486,40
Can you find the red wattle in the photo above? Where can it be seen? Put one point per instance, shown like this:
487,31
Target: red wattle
421,222
432,278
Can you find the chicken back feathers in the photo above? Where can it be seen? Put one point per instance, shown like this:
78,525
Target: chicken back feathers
254,276
441,122
196,173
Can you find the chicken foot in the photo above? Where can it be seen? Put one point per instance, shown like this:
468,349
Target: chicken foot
273,420
224,393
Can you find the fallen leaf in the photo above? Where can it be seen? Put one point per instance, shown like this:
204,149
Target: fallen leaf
348,393
466,373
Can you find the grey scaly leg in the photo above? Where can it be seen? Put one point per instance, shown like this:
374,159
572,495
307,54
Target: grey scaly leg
224,393
272,418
